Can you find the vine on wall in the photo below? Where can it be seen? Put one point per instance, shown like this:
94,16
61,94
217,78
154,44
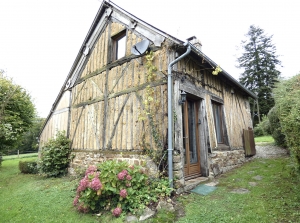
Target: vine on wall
151,106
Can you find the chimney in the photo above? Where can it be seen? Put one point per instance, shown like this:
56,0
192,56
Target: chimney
196,42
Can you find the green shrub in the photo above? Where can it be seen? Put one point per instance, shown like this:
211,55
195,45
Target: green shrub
1,159
119,188
55,156
28,167
275,127
263,128
258,131
287,94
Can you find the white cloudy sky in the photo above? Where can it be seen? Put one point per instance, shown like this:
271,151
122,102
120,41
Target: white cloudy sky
40,39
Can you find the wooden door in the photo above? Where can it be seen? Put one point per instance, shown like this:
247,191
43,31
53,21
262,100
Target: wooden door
191,141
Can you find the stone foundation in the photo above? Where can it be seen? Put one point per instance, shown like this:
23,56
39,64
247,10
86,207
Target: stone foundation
83,160
222,161
219,162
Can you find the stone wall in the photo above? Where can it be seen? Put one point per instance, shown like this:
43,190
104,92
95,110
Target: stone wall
222,161
84,159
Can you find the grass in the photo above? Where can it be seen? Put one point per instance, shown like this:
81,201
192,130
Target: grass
20,156
276,198
264,139
33,198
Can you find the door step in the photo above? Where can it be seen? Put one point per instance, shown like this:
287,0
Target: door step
192,183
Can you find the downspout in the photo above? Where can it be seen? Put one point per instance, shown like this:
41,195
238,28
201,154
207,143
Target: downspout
170,113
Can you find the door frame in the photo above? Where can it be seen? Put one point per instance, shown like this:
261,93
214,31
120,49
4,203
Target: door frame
191,170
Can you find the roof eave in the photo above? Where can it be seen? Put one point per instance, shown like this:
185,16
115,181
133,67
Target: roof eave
227,75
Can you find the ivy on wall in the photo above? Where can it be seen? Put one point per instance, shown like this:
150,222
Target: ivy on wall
150,108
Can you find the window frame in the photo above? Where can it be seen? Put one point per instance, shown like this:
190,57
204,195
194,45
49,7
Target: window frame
115,45
217,108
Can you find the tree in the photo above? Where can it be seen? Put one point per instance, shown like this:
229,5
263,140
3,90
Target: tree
287,94
16,113
259,61
29,138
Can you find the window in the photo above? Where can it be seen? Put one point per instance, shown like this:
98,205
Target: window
218,117
119,45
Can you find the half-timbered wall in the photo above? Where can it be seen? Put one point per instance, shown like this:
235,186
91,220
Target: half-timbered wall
108,100
59,119
236,110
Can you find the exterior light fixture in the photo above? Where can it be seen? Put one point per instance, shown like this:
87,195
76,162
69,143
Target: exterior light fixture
183,97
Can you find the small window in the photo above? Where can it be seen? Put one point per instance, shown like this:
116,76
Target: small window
218,118
119,45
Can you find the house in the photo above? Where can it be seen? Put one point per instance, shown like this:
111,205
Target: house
124,99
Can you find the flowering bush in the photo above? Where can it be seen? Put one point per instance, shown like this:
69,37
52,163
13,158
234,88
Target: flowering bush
117,187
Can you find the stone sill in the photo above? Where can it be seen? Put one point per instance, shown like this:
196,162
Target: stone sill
222,147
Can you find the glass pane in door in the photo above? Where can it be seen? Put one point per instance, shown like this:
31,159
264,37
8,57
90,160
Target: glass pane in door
192,132
184,135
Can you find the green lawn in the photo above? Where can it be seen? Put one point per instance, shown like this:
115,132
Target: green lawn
264,140
276,198
33,198
20,156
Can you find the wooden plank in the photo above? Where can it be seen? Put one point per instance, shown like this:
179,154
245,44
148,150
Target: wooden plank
204,140
116,123
246,143
115,117
252,142
106,45
136,110
87,130
73,137
100,122
124,125
132,108
119,126
109,118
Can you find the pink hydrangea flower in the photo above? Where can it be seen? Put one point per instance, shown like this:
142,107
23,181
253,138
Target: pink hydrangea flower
93,175
96,184
128,177
116,212
91,169
123,193
128,184
75,202
122,174
83,184
125,172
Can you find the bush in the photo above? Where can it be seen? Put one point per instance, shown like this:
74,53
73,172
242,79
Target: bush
275,127
0,160
55,156
263,128
118,187
28,167
287,102
258,131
